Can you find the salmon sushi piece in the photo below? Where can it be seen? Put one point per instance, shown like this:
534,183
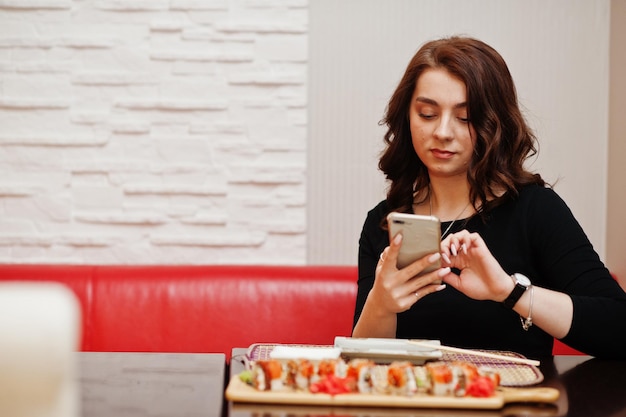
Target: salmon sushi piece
401,378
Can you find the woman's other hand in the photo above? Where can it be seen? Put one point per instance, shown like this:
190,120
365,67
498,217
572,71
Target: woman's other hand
481,276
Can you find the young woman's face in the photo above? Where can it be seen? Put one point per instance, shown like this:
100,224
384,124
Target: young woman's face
442,135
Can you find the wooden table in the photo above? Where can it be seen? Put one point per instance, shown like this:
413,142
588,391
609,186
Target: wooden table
588,388
151,384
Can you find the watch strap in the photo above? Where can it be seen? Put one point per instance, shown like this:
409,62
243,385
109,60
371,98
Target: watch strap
515,295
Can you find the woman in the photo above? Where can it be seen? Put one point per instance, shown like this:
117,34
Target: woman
517,269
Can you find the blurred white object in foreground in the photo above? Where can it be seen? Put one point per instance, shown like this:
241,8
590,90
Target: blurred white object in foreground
39,335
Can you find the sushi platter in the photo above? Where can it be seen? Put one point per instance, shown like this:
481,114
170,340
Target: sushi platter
321,375
238,391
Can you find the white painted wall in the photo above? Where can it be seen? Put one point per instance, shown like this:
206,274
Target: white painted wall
161,131
245,131
557,52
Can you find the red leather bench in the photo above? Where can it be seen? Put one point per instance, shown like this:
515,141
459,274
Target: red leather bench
205,308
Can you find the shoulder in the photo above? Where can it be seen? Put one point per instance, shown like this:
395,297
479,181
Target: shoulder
373,237
547,217
543,199
375,217
534,191
380,210
534,205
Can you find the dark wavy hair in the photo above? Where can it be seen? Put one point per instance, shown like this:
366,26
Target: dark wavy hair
503,138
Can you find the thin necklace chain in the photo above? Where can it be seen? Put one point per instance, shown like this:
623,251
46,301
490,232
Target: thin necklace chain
430,201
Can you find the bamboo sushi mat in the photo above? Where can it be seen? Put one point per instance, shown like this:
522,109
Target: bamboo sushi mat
511,374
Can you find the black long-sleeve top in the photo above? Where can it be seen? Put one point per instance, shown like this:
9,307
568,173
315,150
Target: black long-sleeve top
537,235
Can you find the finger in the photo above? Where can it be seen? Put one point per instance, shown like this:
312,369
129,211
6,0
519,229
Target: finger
453,249
451,279
429,278
474,240
457,243
391,255
445,248
427,290
465,242
418,266
383,255
446,258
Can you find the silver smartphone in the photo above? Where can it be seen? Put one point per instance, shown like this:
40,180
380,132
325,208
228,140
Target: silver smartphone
421,236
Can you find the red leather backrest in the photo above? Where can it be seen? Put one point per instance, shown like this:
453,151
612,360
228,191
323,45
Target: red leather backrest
204,308
199,309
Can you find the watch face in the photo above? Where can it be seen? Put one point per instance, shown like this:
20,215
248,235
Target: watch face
522,279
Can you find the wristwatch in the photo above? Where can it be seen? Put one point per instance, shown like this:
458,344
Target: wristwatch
521,285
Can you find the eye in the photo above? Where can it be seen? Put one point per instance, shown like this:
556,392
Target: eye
427,116
464,119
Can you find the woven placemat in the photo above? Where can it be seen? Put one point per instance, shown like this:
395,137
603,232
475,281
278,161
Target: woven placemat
511,374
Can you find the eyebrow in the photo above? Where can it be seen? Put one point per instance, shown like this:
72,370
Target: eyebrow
427,100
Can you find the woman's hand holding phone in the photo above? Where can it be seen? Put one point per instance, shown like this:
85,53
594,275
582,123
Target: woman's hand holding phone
421,235
397,289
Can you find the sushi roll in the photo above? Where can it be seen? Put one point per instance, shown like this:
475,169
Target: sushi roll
464,373
401,378
291,372
379,378
299,373
328,368
422,381
441,378
267,375
361,371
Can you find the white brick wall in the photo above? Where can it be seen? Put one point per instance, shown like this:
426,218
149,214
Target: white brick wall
153,131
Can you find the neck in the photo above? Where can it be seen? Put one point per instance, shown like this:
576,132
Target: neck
450,201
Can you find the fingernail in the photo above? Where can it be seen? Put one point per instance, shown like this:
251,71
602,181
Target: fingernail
464,248
397,239
445,258
432,258
444,271
440,287
453,250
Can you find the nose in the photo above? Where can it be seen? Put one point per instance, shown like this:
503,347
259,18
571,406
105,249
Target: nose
443,130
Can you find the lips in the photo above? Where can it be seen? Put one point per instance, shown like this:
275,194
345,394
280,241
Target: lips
442,154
